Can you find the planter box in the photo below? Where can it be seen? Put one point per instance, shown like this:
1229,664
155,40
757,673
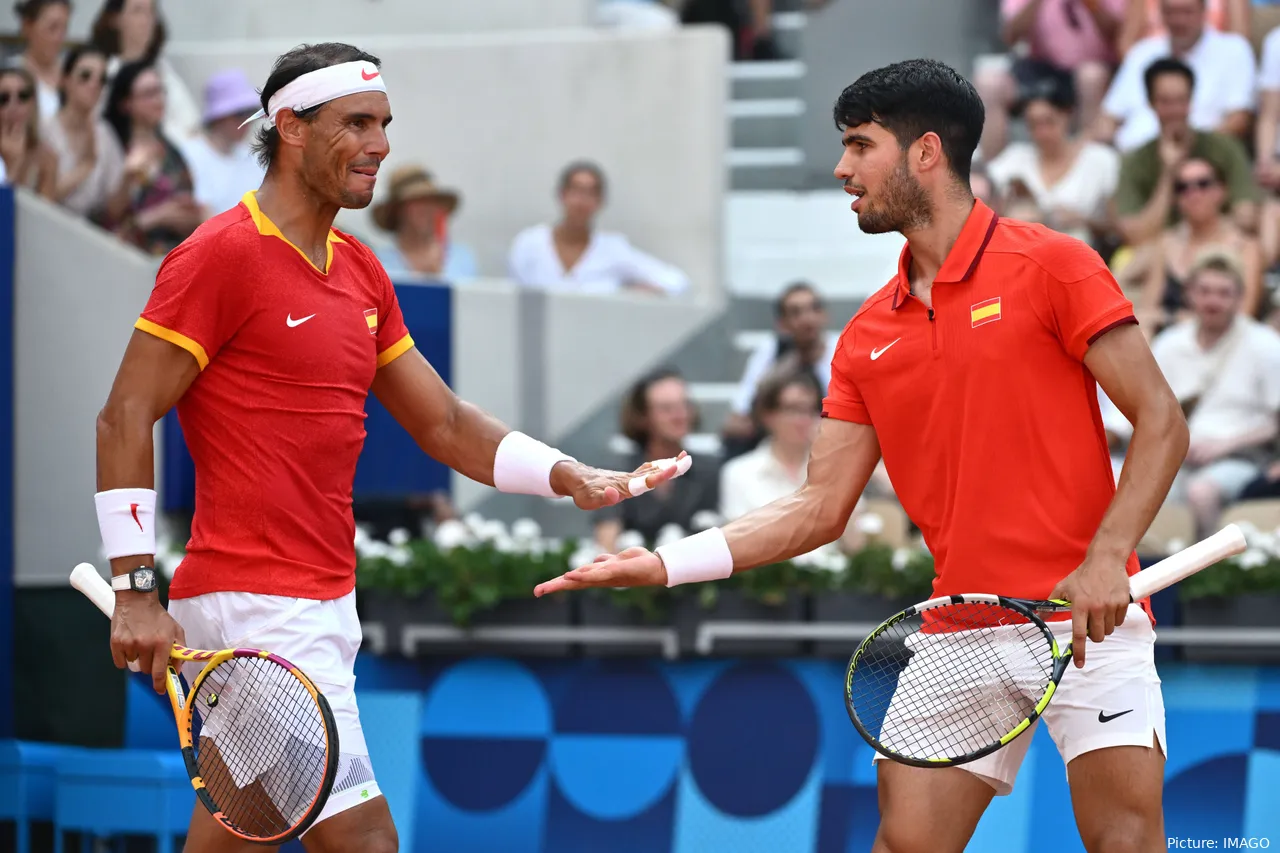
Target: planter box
597,609
1260,610
854,607
552,611
732,606
393,611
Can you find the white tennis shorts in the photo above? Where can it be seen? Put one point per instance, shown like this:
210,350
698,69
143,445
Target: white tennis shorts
319,637
1114,700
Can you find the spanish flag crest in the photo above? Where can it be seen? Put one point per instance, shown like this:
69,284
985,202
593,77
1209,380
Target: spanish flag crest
981,313
371,317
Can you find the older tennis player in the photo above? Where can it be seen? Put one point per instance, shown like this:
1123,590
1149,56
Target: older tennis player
267,329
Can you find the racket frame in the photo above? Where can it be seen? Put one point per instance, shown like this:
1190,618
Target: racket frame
1026,609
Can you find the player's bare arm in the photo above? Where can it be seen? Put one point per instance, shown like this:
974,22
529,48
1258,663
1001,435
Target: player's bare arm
843,458
153,376
479,446
1122,363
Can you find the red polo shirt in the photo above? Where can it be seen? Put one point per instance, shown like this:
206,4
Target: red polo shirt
986,415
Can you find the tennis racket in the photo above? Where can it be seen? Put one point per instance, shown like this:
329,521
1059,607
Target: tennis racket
955,678
259,740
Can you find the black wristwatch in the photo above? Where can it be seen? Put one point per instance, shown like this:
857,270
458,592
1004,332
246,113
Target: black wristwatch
141,579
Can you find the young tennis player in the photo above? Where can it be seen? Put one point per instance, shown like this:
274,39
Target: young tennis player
973,371
267,329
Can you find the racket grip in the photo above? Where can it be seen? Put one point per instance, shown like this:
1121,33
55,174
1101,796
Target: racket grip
85,578
1227,542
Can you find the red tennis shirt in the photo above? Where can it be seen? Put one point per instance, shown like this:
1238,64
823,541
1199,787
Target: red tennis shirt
275,420
987,418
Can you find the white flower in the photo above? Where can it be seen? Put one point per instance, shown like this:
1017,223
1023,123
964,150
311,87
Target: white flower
451,534
398,537
1252,558
812,558
871,524
399,555
901,557
474,522
630,539
1175,545
492,531
362,536
583,556
504,544
705,519
555,543
526,529
833,561
668,535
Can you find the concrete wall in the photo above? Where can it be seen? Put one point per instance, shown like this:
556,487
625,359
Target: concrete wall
347,19
77,293
498,115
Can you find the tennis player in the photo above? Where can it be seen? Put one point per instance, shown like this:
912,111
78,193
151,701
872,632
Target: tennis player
267,329
975,373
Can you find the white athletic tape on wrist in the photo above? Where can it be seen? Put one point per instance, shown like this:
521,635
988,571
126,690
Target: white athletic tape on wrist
638,486
701,557
127,521
522,466
321,86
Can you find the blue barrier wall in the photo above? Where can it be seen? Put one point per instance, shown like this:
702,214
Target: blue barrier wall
7,255
391,464
731,756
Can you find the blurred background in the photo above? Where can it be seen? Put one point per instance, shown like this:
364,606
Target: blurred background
613,224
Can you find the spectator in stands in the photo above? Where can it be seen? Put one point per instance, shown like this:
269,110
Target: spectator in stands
573,255
1068,181
133,31
658,416
802,343
1225,369
1165,264
44,31
1142,19
1070,46
1266,486
162,209
223,166
1267,145
1224,75
789,405
28,162
416,211
1144,199
90,159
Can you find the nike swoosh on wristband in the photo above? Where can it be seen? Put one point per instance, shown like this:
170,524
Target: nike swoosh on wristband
876,353
291,323
1103,717
133,510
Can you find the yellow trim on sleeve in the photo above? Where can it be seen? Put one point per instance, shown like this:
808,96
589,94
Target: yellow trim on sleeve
175,338
394,351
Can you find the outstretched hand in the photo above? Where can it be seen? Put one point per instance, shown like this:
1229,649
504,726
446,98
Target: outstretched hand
593,488
632,567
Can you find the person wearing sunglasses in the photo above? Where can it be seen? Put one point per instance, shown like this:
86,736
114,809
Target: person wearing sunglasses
28,162
90,159
1162,267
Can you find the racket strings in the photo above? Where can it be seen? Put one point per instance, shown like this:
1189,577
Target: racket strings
262,745
950,681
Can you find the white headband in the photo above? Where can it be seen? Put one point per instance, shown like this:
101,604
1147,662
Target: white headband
321,86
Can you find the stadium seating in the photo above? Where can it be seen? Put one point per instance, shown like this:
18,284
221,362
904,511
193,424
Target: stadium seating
27,785
98,792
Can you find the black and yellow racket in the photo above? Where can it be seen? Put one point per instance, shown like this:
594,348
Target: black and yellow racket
955,678
258,738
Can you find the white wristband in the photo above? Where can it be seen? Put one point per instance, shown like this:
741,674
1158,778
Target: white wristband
127,521
522,466
701,557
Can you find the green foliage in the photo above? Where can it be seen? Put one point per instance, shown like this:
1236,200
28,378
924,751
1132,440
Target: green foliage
1252,572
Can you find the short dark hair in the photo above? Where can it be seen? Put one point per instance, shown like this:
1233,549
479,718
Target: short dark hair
1167,65
635,406
303,59
106,31
578,167
912,98
769,393
780,304
1056,90
30,10
74,55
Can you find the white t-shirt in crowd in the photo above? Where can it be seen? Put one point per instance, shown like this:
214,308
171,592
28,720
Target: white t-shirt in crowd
609,263
1246,395
220,180
1269,71
1084,189
1226,81
762,361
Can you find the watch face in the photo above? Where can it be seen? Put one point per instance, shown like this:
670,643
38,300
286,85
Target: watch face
144,579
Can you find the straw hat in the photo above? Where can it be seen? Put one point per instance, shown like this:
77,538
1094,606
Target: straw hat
410,182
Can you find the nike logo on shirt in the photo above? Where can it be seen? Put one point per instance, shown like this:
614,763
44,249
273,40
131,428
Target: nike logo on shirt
291,323
876,353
